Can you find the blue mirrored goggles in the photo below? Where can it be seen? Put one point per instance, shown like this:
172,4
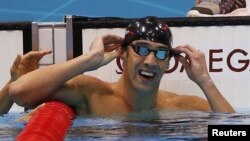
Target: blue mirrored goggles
144,50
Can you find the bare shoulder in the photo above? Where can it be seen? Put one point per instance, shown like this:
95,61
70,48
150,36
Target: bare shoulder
83,90
181,102
80,87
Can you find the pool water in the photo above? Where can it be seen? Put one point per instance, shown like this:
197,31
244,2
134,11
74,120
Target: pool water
152,126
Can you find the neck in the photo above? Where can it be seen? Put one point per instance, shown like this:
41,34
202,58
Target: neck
136,99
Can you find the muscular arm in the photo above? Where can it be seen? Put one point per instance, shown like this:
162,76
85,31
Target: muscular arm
217,102
33,88
174,101
195,66
16,70
42,84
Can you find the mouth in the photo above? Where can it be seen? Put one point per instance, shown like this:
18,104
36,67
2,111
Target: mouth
147,76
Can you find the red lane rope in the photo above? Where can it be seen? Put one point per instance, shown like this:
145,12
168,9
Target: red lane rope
49,123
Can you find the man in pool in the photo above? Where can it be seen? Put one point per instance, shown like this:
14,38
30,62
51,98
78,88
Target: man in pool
22,65
145,50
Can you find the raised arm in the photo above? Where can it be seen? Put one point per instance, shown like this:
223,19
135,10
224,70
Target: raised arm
21,65
42,84
195,65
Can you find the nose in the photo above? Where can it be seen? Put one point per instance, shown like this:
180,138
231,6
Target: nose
150,59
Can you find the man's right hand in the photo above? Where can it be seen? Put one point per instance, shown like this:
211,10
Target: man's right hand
104,49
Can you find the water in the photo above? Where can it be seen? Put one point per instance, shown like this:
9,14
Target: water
151,126
9,128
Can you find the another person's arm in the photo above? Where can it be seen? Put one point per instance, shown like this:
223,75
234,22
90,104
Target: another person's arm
53,82
5,99
196,69
21,65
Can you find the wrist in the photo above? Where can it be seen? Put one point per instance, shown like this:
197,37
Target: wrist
90,62
205,81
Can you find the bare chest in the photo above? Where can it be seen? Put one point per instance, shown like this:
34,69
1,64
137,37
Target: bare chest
107,104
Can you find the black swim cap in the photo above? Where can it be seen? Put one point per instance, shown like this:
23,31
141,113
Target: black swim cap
148,28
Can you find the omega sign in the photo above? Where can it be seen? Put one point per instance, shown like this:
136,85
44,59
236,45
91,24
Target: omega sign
242,62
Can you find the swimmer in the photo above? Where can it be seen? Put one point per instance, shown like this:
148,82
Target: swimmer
22,65
146,51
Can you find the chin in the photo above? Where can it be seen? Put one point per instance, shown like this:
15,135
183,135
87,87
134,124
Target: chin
146,88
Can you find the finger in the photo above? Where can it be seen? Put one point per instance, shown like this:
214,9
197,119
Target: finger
188,50
183,49
183,61
112,47
45,52
16,63
37,54
112,39
41,52
189,47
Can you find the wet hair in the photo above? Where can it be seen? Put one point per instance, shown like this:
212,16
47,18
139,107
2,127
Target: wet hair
148,28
